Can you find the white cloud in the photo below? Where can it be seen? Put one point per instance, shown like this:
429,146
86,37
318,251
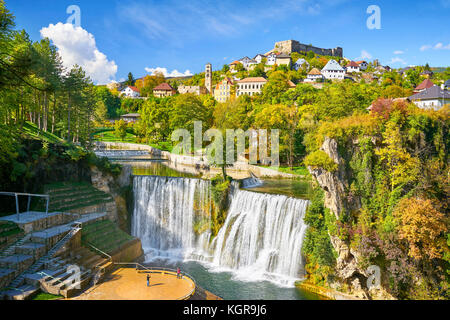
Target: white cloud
174,73
398,60
437,46
441,46
77,46
364,55
399,52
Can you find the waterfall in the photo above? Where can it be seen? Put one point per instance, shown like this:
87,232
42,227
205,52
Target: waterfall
166,211
251,182
260,239
262,236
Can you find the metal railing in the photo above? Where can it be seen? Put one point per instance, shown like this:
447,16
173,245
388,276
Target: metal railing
101,252
29,195
163,271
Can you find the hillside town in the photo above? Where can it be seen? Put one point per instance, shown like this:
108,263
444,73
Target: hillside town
248,76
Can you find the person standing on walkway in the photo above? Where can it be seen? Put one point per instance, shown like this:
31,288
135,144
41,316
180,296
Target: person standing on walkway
178,273
148,280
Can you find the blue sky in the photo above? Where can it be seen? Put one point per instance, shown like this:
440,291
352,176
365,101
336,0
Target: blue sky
184,35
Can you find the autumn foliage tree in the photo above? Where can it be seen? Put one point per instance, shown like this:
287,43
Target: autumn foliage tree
423,227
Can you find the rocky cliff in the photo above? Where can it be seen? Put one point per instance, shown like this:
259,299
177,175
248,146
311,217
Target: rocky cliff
340,201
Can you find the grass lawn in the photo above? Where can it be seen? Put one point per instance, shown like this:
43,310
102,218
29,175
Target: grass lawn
301,170
109,136
164,146
46,296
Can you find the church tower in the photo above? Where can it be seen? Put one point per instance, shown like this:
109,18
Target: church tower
208,78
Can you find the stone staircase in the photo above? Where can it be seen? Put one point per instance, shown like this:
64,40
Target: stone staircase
12,248
59,281
40,262
21,262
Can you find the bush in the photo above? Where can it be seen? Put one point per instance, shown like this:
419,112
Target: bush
319,159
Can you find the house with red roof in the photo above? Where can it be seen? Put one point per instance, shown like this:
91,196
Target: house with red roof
426,84
130,92
163,90
352,66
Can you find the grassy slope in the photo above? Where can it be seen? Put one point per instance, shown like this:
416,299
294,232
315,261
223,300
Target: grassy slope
32,131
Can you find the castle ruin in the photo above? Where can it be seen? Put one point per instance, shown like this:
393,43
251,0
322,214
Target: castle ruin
290,46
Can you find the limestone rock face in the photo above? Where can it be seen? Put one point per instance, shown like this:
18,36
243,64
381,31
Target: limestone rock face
117,210
335,186
333,183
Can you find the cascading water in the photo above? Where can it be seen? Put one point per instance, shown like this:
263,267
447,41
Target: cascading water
262,236
260,239
165,212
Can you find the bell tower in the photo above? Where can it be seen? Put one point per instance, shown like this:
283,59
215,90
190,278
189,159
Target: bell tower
208,78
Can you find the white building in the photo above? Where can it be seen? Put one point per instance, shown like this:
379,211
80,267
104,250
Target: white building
333,71
259,57
301,63
431,98
271,59
250,86
247,62
130,92
314,76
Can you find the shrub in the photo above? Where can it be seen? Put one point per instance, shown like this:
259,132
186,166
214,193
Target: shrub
319,159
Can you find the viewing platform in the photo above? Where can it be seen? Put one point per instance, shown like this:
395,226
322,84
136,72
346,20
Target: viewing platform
131,284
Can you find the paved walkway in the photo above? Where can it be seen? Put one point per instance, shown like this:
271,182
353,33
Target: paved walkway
128,284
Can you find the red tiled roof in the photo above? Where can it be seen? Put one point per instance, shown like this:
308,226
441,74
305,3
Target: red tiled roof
359,62
254,79
353,64
164,86
427,83
134,89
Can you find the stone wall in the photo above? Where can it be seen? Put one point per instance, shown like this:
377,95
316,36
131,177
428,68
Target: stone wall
129,252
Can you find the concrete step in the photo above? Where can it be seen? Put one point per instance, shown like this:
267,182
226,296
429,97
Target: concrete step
21,293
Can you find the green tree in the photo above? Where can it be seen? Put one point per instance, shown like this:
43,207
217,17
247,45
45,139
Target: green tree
130,80
120,129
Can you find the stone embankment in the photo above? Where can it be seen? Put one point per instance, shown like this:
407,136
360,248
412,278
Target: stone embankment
197,164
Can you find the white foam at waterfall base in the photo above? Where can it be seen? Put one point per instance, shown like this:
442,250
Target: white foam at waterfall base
260,240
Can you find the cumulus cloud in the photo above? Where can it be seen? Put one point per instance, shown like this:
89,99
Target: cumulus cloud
398,60
77,46
441,46
365,55
399,52
172,74
437,46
